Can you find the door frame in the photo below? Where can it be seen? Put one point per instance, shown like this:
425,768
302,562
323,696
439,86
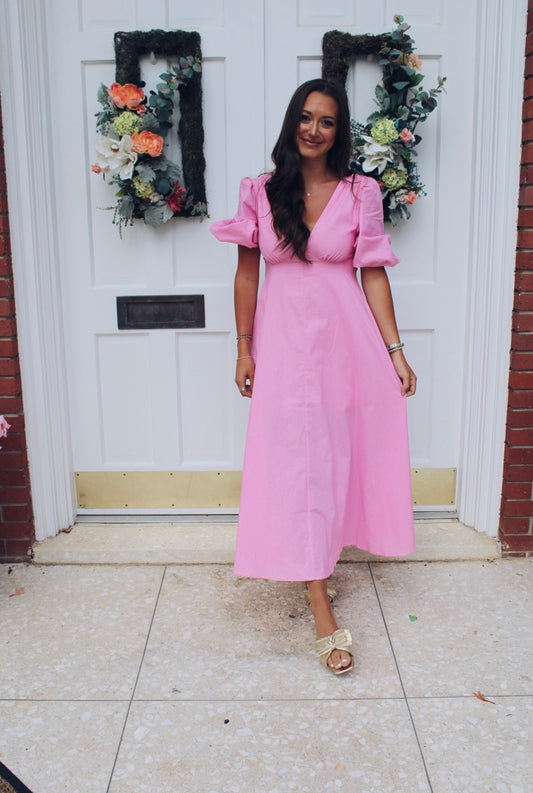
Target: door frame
30,161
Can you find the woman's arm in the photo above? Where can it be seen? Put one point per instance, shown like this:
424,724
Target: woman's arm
245,295
376,287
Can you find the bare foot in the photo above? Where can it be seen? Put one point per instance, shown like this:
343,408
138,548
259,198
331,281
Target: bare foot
325,622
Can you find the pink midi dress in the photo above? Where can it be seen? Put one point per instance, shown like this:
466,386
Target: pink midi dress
327,458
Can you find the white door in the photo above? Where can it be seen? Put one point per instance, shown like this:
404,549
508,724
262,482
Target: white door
430,283
153,401
154,412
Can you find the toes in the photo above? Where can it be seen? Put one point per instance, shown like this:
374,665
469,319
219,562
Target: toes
339,659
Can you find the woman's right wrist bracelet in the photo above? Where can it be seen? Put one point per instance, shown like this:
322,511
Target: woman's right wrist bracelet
394,347
243,357
244,336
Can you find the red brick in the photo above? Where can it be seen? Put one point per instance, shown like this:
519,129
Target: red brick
525,236
525,215
8,327
520,361
524,278
528,87
518,490
15,495
527,110
522,341
9,366
522,321
6,286
6,271
514,525
3,202
17,513
517,473
524,260
518,542
9,348
527,133
5,245
18,549
515,509
12,385
4,220
520,437
16,477
529,43
18,459
17,531
525,195
520,399
523,301
521,455
519,381
13,404
519,418
526,171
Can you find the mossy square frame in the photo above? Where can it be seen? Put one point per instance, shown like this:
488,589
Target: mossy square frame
339,50
129,47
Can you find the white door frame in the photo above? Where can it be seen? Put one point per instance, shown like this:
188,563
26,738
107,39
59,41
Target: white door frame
31,158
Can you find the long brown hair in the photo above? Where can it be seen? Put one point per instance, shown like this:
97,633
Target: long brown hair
285,188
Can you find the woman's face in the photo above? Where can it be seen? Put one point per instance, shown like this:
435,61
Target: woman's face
317,128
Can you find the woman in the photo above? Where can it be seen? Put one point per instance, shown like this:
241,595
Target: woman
327,461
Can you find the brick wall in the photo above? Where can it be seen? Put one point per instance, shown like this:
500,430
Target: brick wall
16,516
516,520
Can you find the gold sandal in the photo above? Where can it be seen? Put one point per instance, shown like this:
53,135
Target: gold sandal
341,639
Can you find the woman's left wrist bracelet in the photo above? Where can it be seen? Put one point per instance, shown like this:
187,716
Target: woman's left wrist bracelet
243,357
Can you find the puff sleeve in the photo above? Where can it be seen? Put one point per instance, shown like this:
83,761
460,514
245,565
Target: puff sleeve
243,228
373,246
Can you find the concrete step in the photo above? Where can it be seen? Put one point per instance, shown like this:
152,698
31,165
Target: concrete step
200,541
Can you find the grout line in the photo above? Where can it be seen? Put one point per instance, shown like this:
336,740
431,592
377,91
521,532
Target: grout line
136,681
401,681
246,700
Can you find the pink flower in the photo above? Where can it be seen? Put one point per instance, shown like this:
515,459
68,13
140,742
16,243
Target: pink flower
4,426
406,136
410,198
96,169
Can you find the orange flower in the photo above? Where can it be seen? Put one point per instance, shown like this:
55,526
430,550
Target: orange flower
127,95
146,142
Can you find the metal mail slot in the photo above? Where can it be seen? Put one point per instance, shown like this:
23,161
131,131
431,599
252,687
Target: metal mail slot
148,312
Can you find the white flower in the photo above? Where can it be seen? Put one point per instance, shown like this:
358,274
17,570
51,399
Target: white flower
376,155
116,157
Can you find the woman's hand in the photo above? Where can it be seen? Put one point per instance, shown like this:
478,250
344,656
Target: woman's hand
405,373
244,375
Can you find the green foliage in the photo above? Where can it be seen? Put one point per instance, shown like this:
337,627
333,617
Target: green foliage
401,99
155,116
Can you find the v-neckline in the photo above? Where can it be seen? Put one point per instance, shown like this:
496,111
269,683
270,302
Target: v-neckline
328,202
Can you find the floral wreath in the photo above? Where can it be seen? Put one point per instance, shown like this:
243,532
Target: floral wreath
132,128
385,146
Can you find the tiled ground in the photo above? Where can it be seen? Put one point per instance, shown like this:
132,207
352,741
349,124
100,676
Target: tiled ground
178,678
